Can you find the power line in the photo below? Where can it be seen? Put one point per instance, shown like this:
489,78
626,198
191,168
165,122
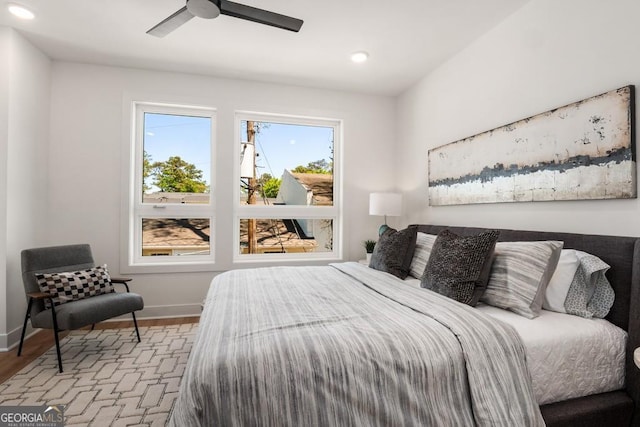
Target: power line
266,159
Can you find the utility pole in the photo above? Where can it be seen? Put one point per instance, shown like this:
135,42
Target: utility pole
251,199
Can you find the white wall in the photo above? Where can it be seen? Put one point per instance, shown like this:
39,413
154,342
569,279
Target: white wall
5,44
88,154
25,88
548,54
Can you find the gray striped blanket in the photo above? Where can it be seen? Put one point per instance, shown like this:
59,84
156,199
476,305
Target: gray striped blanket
345,345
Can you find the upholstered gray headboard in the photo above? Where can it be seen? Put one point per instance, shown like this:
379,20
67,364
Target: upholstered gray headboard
622,254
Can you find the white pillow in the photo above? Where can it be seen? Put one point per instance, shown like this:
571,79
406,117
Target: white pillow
560,282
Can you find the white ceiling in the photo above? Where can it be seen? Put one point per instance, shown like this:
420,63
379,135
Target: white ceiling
405,38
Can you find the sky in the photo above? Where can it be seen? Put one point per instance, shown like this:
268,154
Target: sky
185,136
285,146
280,146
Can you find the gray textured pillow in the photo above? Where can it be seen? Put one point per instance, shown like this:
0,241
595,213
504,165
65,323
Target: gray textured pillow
459,266
590,293
394,251
424,243
520,274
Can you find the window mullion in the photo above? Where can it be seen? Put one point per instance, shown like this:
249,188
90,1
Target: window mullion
286,211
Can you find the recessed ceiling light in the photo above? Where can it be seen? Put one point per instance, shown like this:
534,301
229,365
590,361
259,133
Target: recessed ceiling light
20,11
359,57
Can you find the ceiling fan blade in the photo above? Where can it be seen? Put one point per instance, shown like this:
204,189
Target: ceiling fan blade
261,16
171,23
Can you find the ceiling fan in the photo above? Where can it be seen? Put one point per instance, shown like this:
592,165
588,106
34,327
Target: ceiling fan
212,8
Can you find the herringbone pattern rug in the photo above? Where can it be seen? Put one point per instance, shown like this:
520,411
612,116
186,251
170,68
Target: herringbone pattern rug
109,378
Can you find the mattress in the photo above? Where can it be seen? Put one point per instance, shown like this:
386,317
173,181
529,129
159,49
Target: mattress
568,356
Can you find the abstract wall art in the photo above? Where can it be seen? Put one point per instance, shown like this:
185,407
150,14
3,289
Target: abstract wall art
583,150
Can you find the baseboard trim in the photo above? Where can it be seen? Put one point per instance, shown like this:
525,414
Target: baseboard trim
11,340
169,311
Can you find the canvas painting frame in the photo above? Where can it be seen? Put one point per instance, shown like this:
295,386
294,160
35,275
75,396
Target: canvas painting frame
581,151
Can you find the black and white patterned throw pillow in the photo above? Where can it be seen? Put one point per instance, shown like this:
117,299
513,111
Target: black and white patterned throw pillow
74,285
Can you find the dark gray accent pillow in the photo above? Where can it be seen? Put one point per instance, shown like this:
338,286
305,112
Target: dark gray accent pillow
459,266
394,251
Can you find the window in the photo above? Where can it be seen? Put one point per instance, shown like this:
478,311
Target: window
171,213
288,188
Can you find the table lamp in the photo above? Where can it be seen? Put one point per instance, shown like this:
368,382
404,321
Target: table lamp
385,204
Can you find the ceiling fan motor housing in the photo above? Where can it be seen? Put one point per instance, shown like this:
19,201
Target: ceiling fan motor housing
204,8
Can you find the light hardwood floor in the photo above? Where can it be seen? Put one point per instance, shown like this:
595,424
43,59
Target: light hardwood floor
42,341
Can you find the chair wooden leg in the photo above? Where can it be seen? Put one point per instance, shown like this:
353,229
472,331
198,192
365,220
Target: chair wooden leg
55,334
135,323
93,326
24,326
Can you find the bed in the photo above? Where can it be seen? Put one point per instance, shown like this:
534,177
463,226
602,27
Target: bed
287,346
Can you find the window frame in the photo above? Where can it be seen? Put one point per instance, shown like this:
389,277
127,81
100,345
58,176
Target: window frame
333,212
137,209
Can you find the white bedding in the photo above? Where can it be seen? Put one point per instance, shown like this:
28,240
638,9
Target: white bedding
568,356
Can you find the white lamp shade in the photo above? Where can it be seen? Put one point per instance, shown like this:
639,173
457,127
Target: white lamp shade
385,204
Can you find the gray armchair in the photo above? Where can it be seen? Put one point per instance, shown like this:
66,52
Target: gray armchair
74,314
